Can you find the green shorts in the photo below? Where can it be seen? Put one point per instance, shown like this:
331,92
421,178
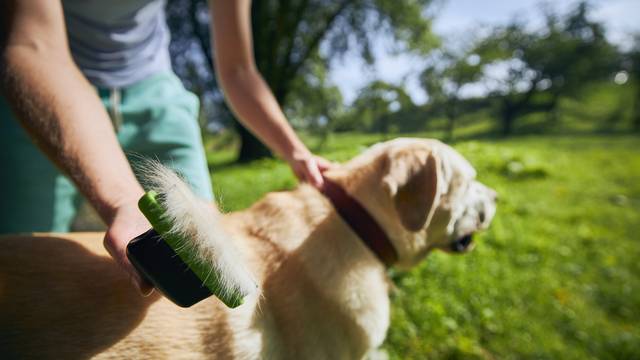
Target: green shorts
154,118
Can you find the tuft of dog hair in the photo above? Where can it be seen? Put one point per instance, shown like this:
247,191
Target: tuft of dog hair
196,223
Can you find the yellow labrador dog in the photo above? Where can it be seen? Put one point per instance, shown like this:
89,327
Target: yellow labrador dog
324,291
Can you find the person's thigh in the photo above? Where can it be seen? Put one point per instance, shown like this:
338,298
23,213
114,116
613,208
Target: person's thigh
160,121
34,196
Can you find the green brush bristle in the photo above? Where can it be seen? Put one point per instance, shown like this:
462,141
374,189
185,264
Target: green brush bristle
155,213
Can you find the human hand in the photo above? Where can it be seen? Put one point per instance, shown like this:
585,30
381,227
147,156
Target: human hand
308,167
127,223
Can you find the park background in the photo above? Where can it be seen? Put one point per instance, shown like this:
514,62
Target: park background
542,98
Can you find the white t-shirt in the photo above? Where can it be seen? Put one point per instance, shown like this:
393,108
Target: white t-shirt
118,42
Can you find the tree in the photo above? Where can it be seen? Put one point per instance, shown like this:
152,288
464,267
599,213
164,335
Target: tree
375,107
290,35
315,103
556,60
444,78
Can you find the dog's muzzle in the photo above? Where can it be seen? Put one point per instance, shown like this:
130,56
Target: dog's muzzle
462,244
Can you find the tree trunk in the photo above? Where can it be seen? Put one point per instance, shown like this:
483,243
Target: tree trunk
451,117
508,115
451,127
279,75
250,147
636,109
552,112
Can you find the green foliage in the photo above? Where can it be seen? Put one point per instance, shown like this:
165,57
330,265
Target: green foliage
310,100
450,69
556,275
405,21
549,69
409,23
316,103
601,107
559,59
445,76
375,107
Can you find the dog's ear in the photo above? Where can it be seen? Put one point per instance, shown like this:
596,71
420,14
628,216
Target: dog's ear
412,182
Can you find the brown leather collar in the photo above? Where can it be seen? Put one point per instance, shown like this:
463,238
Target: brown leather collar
361,222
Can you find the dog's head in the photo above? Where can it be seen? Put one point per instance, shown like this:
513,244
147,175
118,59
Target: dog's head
423,193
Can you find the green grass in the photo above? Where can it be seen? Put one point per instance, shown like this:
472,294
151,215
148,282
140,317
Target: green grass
557,276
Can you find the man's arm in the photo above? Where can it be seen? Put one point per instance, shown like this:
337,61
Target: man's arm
247,92
63,115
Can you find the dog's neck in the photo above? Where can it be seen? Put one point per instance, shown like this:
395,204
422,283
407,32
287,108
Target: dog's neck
362,181
361,222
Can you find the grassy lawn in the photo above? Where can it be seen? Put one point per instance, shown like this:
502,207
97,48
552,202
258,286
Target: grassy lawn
556,277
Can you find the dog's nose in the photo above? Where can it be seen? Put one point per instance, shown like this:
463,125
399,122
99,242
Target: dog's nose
462,244
482,216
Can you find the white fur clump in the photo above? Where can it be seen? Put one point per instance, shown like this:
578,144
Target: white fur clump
197,223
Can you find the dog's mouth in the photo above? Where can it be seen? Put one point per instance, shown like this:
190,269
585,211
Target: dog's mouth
463,244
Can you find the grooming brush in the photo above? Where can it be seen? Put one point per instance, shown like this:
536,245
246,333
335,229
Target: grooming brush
186,255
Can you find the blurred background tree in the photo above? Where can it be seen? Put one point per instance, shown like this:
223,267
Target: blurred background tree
375,108
632,60
314,103
496,79
288,35
443,79
559,59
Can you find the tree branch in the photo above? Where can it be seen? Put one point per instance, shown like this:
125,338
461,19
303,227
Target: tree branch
203,39
293,31
294,67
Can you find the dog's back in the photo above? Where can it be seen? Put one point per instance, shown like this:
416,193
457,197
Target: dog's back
62,297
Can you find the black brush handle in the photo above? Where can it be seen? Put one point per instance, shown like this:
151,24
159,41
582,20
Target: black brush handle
160,264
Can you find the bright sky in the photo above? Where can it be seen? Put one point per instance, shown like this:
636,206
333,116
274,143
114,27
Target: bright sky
455,18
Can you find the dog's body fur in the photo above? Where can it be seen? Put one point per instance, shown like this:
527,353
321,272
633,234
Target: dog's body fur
324,293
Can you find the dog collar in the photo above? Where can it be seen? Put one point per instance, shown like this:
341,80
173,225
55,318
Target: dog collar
361,222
